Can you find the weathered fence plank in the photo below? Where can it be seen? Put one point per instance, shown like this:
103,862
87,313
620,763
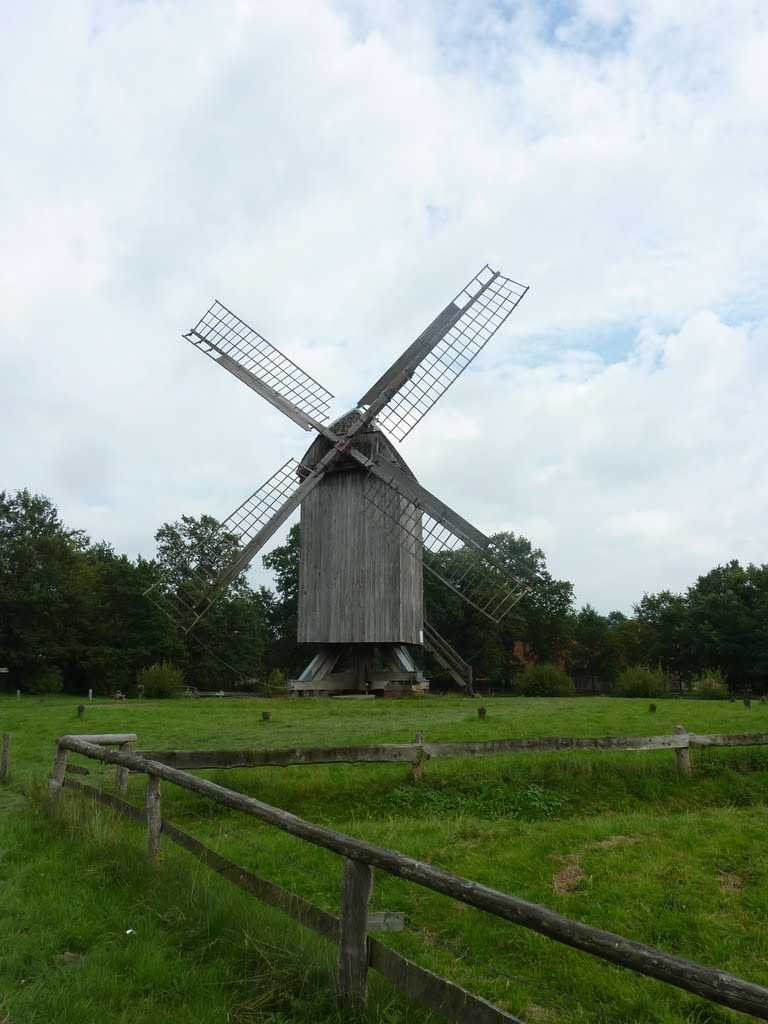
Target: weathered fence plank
6,756
743,739
121,775
454,1002
59,771
712,984
298,909
434,992
683,754
196,759
107,739
154,818
418,752
356,889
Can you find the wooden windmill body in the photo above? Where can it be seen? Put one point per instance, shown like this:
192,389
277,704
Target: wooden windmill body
368,528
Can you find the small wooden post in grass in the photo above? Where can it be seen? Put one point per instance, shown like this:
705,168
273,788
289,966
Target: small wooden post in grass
356,888
154,818
6,754
683,754
59,771
121,774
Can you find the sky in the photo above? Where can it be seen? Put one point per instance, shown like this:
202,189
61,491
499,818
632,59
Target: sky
335,172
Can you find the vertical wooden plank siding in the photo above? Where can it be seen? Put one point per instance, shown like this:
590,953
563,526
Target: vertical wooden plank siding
357,583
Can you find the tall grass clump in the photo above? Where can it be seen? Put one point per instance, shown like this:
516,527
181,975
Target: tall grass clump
641,682
545,681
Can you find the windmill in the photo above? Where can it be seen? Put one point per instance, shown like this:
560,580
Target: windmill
368,528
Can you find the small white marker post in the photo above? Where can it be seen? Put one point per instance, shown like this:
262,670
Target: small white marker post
90,695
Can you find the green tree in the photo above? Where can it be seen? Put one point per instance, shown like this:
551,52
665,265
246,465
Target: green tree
593,650
540,621
282,613
121,631
668,636
631,638
227,646
727,623
42,569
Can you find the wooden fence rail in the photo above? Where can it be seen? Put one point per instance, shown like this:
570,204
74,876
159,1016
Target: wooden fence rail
717,986
417,752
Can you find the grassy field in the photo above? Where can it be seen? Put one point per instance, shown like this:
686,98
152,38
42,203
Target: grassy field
618,840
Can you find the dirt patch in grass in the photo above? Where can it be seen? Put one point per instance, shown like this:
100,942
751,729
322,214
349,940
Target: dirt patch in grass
538,1014
729,883
605,844
570,874
567,879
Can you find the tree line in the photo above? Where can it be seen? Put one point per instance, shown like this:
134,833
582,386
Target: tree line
74,616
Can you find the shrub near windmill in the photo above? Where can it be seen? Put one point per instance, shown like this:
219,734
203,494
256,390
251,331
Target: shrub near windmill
368,528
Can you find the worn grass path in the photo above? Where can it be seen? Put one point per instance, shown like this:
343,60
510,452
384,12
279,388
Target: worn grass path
617,840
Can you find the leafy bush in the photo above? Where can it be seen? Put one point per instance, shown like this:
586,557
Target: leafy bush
545,681
641,682
163,680
276,681
46,679
710,685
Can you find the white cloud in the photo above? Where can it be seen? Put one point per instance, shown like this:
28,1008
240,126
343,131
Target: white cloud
335,172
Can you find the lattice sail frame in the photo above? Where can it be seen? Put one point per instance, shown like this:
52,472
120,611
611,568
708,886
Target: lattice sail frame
477,576
220,333
449,358
186,603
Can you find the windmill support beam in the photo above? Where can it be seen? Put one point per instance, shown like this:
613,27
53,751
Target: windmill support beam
322,678
452,662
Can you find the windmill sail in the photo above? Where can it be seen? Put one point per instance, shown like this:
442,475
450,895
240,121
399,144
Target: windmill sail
453,550
187,594
425,371
253,360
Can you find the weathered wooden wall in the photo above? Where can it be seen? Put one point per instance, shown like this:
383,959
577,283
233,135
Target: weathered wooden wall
357,584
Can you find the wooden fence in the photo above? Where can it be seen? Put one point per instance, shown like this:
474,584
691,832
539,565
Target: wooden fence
358,951
420,751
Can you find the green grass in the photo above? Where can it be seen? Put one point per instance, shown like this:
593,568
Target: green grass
618,840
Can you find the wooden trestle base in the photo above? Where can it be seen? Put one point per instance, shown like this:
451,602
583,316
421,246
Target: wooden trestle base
348,670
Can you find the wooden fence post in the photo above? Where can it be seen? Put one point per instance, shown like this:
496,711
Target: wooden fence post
154,818
683,754
59,770
356,888
417,768
6,754
121,774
